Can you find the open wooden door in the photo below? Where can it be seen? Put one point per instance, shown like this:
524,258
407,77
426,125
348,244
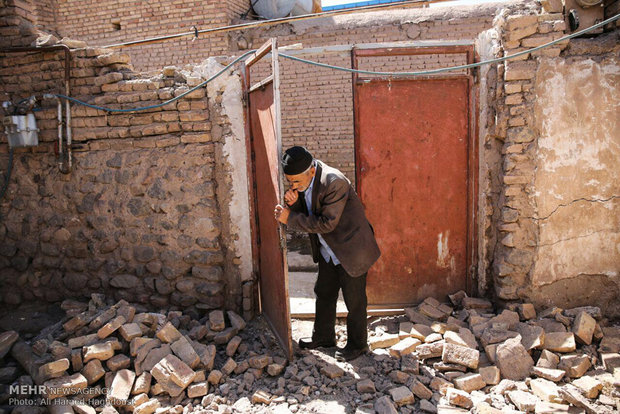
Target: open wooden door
269,237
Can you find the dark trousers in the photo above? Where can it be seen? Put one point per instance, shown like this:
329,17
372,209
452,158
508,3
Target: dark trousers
331,279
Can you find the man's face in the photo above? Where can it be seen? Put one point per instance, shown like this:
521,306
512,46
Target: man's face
301,182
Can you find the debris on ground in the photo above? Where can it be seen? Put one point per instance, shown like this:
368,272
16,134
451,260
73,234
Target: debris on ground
436,358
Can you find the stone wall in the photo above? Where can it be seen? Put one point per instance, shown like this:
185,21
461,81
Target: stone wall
552,201
147,212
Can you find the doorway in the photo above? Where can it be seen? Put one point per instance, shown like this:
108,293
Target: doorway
415,173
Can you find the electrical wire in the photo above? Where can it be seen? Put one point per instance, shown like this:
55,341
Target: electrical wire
365,72
453,68
159,105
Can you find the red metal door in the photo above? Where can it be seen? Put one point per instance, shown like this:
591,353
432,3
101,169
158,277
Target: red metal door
269,240
412,140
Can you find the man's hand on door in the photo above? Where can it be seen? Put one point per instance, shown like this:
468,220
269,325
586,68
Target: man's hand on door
281,214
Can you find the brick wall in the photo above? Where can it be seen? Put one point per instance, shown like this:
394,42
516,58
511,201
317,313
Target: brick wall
45,12
17,20
108,22
317,103
236,8
139,217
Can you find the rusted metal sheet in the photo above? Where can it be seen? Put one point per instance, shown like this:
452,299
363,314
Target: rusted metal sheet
265,142
413,176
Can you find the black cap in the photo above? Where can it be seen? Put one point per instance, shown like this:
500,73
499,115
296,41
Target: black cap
296,160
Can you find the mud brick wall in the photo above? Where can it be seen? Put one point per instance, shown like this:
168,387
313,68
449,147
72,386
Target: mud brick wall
103,23
552,198
140,215
17,23
317,103
317,107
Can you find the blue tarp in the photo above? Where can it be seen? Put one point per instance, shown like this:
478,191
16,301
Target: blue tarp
359,4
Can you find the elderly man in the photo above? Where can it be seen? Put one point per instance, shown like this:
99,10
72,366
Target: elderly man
322,202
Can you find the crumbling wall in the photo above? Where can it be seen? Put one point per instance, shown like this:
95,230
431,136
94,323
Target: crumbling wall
138,217
556,118
577,118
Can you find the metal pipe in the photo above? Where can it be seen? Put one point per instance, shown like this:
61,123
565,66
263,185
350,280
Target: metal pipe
244,26
61,157
68,125
60,150
63,168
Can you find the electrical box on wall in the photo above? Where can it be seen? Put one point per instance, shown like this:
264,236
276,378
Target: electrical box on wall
581,14
21,130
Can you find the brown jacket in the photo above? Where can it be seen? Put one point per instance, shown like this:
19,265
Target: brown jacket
338,216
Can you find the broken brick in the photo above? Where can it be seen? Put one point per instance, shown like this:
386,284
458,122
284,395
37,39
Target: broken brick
232,346
469,382
121,387
168,333
490,375
142,385
93,371
118,362
545,390
130,331
53,369
63,386
513,360
229,366
173,368
459,398
560,342
109,328
457,354
198,390
404,347
101,351
583,327
184,350
383,341
216,320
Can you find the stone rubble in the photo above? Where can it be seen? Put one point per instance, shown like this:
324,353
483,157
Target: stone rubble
434,358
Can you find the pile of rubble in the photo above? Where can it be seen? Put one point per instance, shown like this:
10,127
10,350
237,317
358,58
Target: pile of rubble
515,361
435,358
109,358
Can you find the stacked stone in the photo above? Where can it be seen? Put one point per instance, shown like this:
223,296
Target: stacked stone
173,261
518,227
141,361
453,361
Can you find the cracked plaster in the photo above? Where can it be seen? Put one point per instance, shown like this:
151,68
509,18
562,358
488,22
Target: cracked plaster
577,179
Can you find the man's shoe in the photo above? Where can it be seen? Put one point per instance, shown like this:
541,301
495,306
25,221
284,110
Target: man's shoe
348,354
308,343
